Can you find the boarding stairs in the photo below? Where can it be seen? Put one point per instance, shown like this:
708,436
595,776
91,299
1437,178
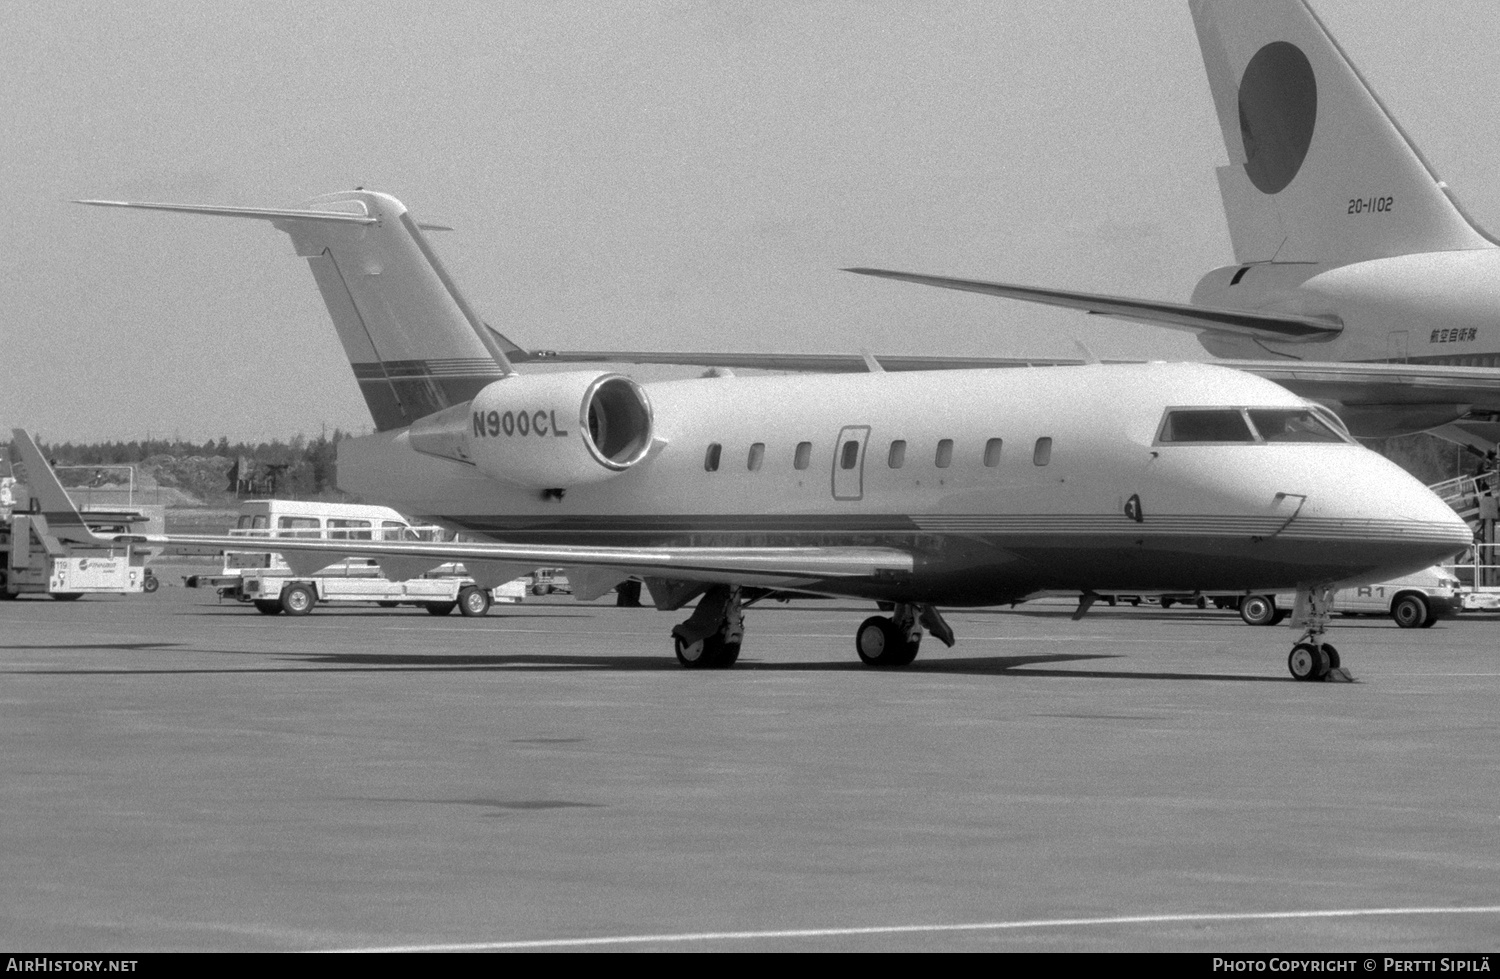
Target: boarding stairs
1477,500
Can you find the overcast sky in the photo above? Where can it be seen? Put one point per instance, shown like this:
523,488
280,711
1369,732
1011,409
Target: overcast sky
674,175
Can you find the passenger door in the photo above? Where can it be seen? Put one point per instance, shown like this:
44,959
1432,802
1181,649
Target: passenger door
849,462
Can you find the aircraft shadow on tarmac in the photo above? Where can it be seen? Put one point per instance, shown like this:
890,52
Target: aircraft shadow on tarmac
497,807
541,662
400,662
214,611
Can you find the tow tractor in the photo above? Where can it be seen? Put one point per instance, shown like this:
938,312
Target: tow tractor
35,562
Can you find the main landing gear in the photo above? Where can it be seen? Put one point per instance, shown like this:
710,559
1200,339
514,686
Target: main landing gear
1312,659
894,641
711,637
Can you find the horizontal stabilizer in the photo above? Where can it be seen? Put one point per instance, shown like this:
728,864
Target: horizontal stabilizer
415,345
1283,327
348,216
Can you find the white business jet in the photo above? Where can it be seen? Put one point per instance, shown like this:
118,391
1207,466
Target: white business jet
920,489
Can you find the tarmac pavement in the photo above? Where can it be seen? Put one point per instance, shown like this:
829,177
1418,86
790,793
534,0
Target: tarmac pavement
181,775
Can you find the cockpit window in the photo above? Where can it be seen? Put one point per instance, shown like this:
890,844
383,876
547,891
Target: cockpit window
1218,426
1292,425
1205,425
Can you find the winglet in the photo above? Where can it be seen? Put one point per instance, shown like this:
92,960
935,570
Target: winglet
48,497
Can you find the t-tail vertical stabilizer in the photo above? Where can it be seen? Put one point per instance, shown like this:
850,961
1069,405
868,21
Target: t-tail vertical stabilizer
415,344
1318,170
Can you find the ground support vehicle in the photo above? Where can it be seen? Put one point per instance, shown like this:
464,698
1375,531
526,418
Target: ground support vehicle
1185,599
550,581
34,562
1479,569
440,594
1415,601
259,575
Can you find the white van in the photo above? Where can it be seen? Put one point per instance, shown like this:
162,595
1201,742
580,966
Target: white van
1415,601
303,518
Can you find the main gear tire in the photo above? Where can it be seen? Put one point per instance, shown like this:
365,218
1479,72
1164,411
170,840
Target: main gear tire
880,643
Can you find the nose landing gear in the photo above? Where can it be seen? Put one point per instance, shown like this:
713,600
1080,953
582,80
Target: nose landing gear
1312,659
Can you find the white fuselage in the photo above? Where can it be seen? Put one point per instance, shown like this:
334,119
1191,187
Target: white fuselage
985,527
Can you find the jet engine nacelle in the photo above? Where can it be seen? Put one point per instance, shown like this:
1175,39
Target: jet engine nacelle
545,431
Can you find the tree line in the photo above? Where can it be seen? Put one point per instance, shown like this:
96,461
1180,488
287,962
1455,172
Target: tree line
301,466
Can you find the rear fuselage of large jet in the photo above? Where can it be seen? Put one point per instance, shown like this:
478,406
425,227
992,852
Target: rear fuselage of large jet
1425,308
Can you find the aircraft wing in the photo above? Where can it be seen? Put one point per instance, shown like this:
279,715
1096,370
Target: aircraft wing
807,363
1283,327
775,567
1381,384
1379,400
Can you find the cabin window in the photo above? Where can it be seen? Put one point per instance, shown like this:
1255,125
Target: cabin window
757,456
298,527
1205,425
897,457
849,457
992,453
1291,425
803,456
346,529
711,457
944,457
1042,454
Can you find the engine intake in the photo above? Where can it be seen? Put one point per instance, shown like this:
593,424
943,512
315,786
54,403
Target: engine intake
544,430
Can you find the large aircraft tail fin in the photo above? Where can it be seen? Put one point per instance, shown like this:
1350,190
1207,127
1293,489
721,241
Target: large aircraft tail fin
1319,171
415,344
48,498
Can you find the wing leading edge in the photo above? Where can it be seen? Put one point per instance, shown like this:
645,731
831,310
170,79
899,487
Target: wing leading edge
779,567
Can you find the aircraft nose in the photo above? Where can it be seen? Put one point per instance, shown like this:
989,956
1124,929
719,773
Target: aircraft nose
1379,520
